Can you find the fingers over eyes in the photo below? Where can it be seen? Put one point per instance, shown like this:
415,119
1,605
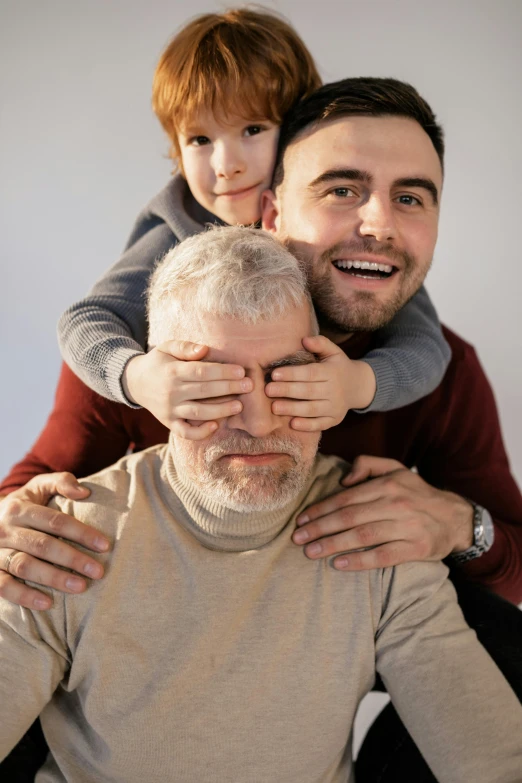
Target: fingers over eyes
211,389
301,373
308,409
209,371
207,411
297,390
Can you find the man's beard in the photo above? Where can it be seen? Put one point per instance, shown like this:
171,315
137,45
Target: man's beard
363,311
247,488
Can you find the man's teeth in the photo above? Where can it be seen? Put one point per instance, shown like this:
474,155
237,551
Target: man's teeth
371,266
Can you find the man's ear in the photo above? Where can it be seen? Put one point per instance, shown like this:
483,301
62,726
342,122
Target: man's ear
269,211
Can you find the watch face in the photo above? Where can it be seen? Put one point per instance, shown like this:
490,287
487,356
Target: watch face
488,531
483,536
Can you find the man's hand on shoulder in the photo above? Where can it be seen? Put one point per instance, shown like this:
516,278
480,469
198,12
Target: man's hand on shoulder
30,549
388,512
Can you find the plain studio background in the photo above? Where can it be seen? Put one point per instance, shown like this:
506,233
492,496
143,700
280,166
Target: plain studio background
81,153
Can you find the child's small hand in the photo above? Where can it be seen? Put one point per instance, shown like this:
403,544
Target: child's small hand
320,395
174,385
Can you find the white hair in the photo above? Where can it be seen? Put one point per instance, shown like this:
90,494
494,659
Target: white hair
229,272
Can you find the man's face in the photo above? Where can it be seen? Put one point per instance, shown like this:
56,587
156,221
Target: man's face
358,205
254,461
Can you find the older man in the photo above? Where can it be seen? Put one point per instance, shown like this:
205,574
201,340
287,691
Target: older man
191,659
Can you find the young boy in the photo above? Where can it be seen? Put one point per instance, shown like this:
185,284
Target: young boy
220,90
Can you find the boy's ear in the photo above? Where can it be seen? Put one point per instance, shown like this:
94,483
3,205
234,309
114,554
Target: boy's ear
269,211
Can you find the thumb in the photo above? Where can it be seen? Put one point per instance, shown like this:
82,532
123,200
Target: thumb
321,346
366,467
183,350
41,489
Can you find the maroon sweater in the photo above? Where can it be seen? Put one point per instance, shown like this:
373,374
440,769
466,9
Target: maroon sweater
452,436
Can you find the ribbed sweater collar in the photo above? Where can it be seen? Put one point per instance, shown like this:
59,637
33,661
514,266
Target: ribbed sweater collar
176,205
218,527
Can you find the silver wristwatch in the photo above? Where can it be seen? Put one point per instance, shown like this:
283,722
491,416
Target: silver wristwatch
483,536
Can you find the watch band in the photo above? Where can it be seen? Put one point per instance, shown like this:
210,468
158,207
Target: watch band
483,536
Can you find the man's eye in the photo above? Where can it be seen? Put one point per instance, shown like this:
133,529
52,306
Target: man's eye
199,141
343,192
409,201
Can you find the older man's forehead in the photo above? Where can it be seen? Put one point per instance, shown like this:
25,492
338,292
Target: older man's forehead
260,344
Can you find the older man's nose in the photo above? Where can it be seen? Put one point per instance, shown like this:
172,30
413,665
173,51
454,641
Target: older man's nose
256,418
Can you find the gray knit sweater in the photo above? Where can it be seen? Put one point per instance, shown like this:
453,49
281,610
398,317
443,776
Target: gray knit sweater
214,651
99,334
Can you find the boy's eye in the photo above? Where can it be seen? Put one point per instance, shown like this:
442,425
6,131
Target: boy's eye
199,141
253,130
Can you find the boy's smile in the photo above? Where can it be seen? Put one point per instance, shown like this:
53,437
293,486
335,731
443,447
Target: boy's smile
228,163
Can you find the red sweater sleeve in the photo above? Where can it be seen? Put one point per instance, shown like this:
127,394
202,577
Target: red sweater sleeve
467,455
83,434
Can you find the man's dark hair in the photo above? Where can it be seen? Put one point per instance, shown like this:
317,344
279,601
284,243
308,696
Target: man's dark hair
364,96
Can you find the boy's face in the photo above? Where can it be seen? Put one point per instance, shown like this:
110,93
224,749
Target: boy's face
228,163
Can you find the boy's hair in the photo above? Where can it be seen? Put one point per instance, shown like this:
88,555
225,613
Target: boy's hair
361,96
243,62
228,272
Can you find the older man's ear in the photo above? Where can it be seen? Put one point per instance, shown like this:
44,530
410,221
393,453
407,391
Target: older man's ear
270,211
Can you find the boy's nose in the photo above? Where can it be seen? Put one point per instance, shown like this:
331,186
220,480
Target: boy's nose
377,219
228,161
256,418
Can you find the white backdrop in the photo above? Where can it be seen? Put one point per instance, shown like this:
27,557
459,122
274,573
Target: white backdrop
81,153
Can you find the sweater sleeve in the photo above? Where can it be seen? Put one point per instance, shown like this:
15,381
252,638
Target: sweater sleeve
83,434
33,660
463,451
452,698
410,356
99,334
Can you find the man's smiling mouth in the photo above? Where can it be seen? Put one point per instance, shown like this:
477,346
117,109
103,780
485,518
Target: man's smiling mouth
368,270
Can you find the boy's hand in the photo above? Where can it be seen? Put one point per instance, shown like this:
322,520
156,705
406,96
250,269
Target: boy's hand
173,384
28,543
320,395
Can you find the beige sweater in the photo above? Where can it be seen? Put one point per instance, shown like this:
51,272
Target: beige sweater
214,651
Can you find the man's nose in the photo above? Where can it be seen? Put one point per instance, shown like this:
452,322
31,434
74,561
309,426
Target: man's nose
228,160
377,218
256,418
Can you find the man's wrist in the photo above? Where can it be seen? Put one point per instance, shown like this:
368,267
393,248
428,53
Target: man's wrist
483,536
464,528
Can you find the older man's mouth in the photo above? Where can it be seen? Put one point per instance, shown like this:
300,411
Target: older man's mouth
255,459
